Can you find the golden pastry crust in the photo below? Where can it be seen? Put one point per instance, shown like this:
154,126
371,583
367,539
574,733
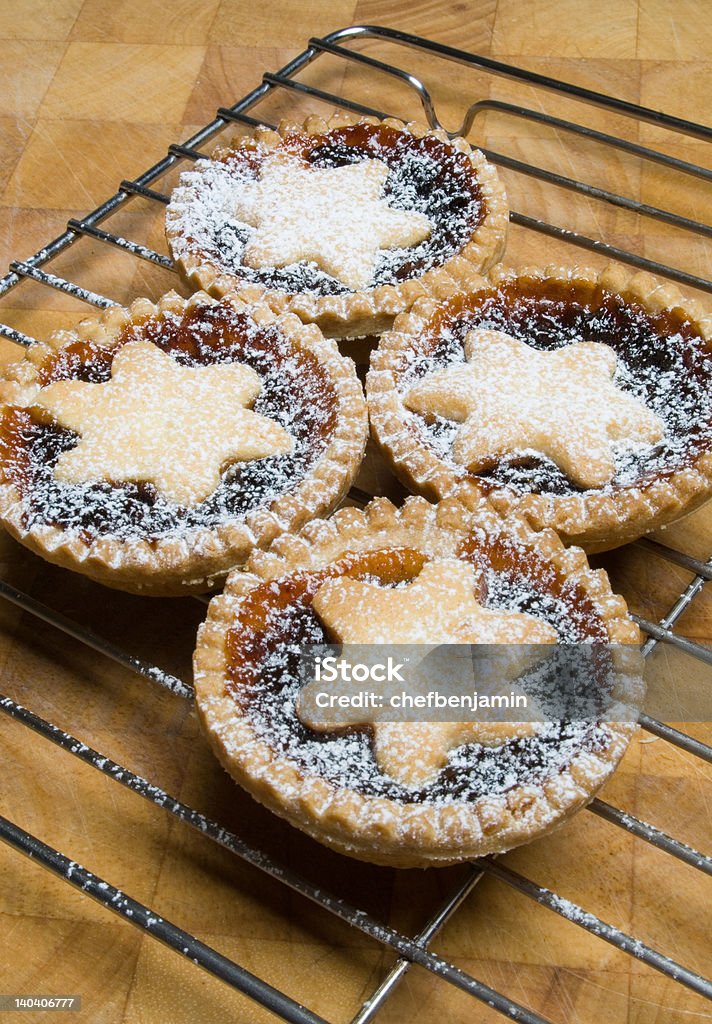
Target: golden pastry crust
598,518
180,558
372,827
348,313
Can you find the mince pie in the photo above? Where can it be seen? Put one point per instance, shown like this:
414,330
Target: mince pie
152,449
582,400
412,793
343,222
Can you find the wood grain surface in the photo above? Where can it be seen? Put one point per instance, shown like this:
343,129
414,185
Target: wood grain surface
94,92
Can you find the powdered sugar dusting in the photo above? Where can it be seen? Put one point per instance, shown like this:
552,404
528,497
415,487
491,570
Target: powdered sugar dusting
149,423
427,179
660,364
562,402
294,394
346,758
294,217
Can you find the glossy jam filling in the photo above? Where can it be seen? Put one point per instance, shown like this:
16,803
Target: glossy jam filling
426,176
662,360
296,393
277,620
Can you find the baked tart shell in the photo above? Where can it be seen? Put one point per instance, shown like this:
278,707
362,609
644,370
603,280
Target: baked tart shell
595,519
375,828
180,561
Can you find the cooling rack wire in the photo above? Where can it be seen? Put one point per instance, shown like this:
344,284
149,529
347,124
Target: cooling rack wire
406,950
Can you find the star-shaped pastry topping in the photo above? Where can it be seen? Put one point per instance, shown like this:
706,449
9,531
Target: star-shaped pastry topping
439,607
512,397
333,216
174,426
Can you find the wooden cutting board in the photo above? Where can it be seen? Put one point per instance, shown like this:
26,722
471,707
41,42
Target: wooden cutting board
94,93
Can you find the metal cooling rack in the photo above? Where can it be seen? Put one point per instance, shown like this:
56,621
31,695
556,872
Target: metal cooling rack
409,949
